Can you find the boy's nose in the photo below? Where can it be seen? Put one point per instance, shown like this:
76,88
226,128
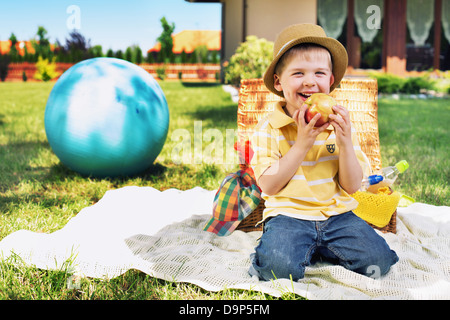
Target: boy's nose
309,82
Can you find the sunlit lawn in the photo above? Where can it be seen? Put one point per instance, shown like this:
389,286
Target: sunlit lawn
40,194
419,132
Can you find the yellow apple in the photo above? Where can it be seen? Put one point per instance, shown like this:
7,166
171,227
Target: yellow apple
319,103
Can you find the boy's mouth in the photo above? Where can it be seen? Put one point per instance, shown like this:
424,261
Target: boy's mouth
305,95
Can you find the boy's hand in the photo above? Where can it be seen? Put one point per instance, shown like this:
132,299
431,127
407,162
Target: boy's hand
306,132
350,172
342,126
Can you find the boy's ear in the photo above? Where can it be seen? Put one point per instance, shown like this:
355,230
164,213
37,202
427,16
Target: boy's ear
331,80
276,82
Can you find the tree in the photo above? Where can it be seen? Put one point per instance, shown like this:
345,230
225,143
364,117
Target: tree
110,53
14,54
119,54
41,33
149,58
77,46
166,41
96,51
134,54
184,57
137,55
4,65
42,47
129,54
200,54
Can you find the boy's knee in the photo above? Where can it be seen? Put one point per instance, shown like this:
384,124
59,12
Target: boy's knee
276,264
377,263
383,264
272,270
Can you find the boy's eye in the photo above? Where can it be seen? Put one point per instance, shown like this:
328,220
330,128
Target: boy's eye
320,72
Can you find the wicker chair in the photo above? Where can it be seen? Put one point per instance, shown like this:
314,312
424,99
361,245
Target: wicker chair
358,95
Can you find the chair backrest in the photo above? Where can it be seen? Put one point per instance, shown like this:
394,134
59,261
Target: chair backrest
358,95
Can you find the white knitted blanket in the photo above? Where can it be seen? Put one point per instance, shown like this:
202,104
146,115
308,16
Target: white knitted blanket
160,233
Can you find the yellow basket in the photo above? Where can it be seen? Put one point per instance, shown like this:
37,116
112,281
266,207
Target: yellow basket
376,209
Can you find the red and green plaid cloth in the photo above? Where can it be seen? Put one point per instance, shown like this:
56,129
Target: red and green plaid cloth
237,196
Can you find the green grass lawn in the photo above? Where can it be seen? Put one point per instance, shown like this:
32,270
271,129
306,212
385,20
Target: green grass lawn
38,193
418,131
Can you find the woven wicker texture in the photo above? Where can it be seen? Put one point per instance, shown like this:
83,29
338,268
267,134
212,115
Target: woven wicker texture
358,95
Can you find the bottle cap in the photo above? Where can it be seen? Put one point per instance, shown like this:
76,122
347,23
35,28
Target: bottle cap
374,179
402,166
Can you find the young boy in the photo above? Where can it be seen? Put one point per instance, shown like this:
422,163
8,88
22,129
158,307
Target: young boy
307,173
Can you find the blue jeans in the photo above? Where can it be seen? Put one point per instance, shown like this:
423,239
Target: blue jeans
289,245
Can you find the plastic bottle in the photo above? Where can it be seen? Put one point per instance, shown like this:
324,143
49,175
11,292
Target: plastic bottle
371,180
390,174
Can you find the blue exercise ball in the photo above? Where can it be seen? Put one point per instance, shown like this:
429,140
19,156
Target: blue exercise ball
106,117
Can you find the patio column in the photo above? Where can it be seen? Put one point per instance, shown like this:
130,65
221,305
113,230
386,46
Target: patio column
437,33
394,37
353,44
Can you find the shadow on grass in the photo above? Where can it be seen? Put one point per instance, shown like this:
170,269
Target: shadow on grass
52,178
60,172
23,180
16,168
200,84
15,161
39,199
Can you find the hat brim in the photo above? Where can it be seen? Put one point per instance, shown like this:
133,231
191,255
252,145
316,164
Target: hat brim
338,53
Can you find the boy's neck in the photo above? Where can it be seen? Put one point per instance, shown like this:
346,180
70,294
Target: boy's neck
287,110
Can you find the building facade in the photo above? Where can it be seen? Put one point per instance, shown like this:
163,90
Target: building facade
396,36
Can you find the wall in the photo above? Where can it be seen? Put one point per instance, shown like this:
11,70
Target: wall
266,18
262,18
189,72
232,33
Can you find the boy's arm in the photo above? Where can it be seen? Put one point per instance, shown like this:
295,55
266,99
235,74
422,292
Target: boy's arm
350,171
281,172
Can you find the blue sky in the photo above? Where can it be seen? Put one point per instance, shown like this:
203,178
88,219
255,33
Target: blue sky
110,23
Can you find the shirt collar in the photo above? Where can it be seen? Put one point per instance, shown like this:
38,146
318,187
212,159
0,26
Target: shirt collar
278,118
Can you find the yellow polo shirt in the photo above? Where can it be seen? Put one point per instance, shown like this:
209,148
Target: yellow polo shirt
314,192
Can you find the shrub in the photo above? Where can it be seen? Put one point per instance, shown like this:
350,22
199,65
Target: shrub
250,60
413,85
441,81
161,72
389,83
45,70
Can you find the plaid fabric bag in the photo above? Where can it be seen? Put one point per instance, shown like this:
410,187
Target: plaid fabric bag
237,196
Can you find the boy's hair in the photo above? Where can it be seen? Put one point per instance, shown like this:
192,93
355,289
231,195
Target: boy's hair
308,51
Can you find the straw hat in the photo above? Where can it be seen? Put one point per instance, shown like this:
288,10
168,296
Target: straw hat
307,33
